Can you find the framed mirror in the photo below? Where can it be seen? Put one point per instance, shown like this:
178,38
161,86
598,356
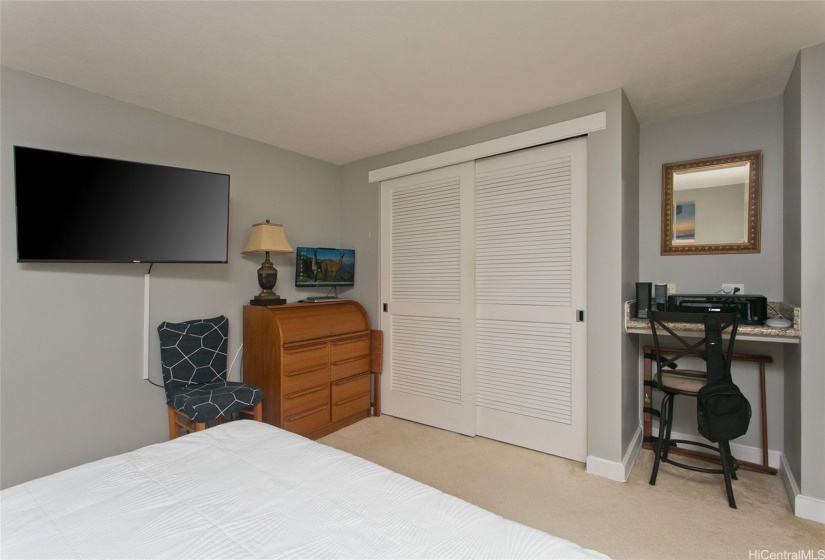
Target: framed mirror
712,205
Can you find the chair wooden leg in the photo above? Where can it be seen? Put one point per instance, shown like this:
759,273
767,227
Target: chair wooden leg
255,412
377,400
173,425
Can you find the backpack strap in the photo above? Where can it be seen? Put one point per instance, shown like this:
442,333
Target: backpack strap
716,365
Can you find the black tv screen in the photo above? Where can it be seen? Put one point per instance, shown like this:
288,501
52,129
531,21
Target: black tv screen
78,208
323,266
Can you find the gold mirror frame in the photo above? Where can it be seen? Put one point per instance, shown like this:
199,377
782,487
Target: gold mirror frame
753,210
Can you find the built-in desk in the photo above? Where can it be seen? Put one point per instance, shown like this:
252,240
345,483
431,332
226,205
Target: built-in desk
759,333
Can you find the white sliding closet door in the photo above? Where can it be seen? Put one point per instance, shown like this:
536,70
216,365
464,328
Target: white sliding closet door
530,230
427,290
483,276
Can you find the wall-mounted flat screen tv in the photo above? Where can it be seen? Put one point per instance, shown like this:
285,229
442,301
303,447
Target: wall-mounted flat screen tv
79,208
323,266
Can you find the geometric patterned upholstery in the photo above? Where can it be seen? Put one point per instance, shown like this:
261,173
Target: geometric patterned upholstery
193,361
193,351
204,403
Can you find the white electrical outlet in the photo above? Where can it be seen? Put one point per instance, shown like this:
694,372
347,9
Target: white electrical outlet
733,289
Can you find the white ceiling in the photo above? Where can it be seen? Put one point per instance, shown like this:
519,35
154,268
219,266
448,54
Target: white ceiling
340,81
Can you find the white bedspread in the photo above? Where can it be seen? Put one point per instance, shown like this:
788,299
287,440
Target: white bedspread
249,490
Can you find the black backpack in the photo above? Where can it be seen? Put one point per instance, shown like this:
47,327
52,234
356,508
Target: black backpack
722,410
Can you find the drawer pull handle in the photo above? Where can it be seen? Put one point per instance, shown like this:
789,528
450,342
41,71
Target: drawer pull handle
355,359
349,400
304,371
349,379
306,413
302,349
349,340
305,392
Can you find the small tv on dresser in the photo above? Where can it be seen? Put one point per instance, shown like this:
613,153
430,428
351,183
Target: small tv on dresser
324,267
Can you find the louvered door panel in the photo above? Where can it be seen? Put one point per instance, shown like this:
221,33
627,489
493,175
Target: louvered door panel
426,242
427,357
523,239
524,368
427,288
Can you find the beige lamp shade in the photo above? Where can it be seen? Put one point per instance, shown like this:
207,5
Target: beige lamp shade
266,237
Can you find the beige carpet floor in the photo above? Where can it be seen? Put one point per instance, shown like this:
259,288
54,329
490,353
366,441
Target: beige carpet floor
686,515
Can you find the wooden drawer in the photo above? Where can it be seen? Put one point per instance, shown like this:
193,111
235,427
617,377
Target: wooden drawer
297,380
350,396
305,422
305,399
298,358
349,357
348,368
347,348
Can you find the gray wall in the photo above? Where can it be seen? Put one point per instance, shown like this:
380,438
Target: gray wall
804,269
742,128
611,185
812,271
71,349
792,266
631,376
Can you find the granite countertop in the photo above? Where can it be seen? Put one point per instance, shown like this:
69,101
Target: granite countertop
775,309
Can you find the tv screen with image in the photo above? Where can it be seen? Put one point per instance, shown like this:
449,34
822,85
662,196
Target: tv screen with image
324,266
79,208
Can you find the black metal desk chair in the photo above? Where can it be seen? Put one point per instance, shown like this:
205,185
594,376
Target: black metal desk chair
673,380
193,361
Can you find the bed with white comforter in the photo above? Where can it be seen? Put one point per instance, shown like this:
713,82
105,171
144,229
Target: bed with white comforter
249,490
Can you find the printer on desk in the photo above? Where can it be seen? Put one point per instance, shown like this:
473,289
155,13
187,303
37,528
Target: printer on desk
753,310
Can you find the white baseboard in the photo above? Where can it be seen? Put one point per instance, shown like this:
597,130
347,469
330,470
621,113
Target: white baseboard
803,506
791,487
613,470
809,508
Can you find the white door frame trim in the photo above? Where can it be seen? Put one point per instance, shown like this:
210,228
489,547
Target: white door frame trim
527,139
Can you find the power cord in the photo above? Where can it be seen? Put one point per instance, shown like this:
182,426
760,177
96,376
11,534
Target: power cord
776,312
233,362
734,292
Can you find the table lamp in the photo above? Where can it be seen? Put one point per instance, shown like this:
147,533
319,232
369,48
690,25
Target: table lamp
267,238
